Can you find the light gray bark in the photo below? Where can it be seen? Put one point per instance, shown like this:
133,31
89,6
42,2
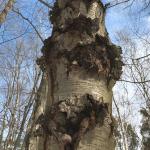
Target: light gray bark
80,66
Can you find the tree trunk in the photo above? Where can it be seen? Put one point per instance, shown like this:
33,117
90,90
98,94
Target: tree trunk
80,66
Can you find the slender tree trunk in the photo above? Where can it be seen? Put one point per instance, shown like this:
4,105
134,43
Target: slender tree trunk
26,112
80,66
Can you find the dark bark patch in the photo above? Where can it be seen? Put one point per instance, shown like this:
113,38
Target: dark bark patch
98,57
55,15
82,24
68,123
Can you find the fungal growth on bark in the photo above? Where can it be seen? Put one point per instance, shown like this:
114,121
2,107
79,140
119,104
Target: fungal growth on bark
80,66
69,120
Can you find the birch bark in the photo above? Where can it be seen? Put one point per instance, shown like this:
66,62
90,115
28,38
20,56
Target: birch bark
80,66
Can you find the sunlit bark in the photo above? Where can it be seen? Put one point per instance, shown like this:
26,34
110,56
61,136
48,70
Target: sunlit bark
80,66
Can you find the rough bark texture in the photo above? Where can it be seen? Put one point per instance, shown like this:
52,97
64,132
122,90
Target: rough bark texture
5,11
80,66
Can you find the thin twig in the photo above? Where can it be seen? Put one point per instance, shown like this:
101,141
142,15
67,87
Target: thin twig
136,82
46,4
109,5
121,124
27,109
142,57
14,38
138,57
20,14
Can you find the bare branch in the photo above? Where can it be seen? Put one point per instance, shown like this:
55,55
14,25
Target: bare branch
146,5
115,3
14,38
27,109
121,124
46,4
142,57
138,57
20,14
5,11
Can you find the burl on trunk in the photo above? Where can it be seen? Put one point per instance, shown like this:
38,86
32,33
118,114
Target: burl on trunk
80,66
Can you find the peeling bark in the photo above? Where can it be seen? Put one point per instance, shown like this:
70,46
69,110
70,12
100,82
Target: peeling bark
80,67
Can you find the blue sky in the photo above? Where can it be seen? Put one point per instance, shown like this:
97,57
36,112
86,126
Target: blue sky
122,18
